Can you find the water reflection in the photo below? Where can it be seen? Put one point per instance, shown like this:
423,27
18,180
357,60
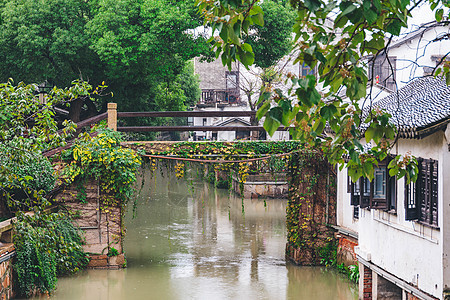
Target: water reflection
199,245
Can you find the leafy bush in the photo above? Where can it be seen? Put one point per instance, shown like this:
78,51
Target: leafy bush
328,255
102,158
47,245
29,174
113,252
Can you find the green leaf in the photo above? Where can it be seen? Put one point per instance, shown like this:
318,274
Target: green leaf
349,9
237,29
276,113
271,125
312,5
394,27
328,111
248,58
258,19
392,172
393,162
224,33
263,110
369,134
247,47
318,126
439,13
370,16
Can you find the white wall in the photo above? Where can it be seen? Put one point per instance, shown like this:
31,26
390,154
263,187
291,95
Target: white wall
406,249
344,210
416,54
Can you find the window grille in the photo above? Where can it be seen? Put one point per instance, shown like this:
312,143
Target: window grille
382,71
381,193
422,196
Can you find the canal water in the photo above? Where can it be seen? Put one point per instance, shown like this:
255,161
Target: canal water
192,241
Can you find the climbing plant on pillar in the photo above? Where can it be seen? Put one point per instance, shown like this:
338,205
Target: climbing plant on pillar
101,158
311,206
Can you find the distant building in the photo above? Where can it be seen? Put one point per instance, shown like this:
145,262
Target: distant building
222,90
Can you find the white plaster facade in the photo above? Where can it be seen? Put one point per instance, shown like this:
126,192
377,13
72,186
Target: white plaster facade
413,252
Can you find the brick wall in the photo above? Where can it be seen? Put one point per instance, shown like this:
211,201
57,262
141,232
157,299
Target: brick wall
312,193
6,279
367,283
100,222
346,250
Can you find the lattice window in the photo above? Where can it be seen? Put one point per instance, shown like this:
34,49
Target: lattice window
382,69
422,196
381,193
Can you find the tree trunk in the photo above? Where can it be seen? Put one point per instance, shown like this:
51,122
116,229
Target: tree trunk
75,110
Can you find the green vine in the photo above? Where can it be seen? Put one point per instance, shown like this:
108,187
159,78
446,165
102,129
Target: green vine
231,158
102,158
306,217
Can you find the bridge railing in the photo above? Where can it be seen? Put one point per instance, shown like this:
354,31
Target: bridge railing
113,115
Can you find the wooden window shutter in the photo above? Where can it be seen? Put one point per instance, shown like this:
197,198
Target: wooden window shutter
434,193
388,73
349,183
355,212
355,192
424,192
364,200
411,205
412,191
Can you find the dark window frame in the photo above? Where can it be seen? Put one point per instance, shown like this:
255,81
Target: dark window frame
363,192
421,197
379,66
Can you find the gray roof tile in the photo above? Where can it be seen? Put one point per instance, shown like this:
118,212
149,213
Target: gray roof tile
419,108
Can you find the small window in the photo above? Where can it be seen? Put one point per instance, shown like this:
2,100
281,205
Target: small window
355,212
381,193
232,80
349,184
410,199
382,71
365,193
355,192
205,121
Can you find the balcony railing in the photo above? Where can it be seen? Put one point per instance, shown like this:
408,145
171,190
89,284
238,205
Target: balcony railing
221,97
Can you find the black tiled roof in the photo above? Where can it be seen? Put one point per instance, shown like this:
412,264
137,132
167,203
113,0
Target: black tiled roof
419,108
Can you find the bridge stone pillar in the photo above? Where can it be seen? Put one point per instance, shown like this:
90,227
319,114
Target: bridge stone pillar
311,209
112,116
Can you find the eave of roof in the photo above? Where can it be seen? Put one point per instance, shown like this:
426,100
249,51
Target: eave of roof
420,108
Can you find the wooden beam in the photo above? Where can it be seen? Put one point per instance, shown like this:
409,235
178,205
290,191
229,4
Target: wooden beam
234,113
92,120
193,128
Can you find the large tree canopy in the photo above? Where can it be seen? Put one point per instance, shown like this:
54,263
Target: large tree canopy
335,38
274,40
134,46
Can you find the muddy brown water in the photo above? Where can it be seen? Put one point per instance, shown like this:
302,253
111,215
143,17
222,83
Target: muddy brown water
201,244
